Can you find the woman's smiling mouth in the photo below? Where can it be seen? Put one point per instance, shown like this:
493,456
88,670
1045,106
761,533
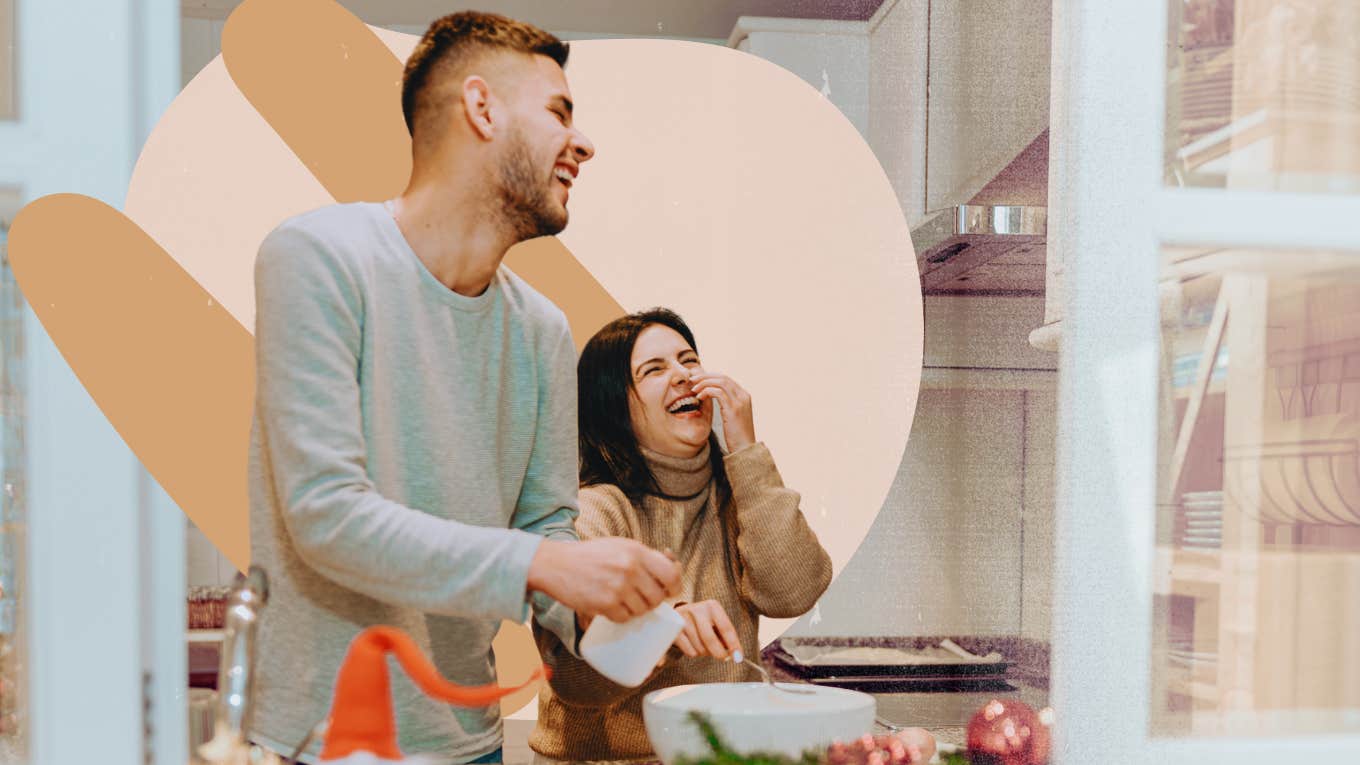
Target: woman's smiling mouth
686,406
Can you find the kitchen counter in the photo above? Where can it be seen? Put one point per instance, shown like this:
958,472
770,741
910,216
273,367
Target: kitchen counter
944,713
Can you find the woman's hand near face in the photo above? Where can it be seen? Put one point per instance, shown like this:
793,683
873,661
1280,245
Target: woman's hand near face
738,424
708,631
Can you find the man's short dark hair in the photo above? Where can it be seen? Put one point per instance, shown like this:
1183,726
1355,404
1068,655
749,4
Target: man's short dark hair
457,38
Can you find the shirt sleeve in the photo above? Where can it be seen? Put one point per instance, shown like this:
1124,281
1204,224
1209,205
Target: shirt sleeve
308,340
547,500
784,568
604,513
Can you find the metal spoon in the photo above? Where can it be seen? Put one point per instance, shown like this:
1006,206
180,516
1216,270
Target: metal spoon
739,658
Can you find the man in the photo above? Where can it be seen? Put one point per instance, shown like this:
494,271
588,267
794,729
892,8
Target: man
413,455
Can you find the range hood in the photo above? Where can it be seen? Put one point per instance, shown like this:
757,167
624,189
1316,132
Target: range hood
995,242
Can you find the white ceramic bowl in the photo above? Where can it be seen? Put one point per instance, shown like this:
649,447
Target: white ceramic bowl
752,717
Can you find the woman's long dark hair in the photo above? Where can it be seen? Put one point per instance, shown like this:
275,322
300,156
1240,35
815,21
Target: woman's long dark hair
604,379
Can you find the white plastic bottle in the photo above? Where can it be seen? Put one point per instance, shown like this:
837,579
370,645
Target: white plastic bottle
627,653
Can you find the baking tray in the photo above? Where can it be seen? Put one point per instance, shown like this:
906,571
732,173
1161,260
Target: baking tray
884,672
918,684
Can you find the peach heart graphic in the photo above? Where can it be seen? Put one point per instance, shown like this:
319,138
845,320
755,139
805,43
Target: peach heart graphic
724,187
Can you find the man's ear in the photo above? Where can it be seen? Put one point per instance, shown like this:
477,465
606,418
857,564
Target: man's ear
476,95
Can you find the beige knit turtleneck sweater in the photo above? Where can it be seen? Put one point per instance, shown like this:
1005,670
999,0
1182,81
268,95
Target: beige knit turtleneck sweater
755,555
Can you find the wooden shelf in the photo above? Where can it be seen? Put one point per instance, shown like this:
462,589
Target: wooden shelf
1189,572
1195,689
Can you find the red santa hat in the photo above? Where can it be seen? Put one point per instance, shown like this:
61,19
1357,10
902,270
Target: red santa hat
361,718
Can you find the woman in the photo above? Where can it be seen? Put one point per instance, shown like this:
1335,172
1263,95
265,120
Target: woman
653,470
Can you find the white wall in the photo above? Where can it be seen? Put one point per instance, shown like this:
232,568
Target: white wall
963,543
1037,538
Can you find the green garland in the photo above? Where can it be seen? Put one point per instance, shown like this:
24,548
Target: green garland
723,755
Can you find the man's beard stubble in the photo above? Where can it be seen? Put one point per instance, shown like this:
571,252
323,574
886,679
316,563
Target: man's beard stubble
526,208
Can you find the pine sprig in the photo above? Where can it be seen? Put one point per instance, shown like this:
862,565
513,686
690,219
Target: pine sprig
722,754
955,758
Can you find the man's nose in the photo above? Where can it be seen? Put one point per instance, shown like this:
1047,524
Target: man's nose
581,147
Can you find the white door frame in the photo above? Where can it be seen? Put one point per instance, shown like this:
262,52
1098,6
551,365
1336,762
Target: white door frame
105,600
1111,216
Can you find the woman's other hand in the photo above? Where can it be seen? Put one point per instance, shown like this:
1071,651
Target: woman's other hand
738,424
919,743
708,631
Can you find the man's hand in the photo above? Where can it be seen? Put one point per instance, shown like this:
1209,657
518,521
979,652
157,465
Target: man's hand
615,577
708,631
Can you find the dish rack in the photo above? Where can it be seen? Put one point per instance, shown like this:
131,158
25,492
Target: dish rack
1306,470
1304,481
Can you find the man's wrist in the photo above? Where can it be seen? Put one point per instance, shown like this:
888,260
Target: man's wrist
543,568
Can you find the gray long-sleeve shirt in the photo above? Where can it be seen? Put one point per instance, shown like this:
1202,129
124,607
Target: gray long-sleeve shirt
411,448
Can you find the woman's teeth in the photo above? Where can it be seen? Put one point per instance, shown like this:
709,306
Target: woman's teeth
686,404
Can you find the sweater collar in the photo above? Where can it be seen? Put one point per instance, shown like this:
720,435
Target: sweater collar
680,477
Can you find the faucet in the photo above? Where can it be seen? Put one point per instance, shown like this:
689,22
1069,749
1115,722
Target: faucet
236,675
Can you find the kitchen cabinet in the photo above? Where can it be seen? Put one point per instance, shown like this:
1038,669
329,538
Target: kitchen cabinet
1259,538
1208,551
913,73
832,56
988,92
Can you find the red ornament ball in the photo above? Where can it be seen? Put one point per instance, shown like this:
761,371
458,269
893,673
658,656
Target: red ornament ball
1006,732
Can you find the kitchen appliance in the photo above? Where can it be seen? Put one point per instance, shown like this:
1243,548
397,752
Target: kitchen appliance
995,242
